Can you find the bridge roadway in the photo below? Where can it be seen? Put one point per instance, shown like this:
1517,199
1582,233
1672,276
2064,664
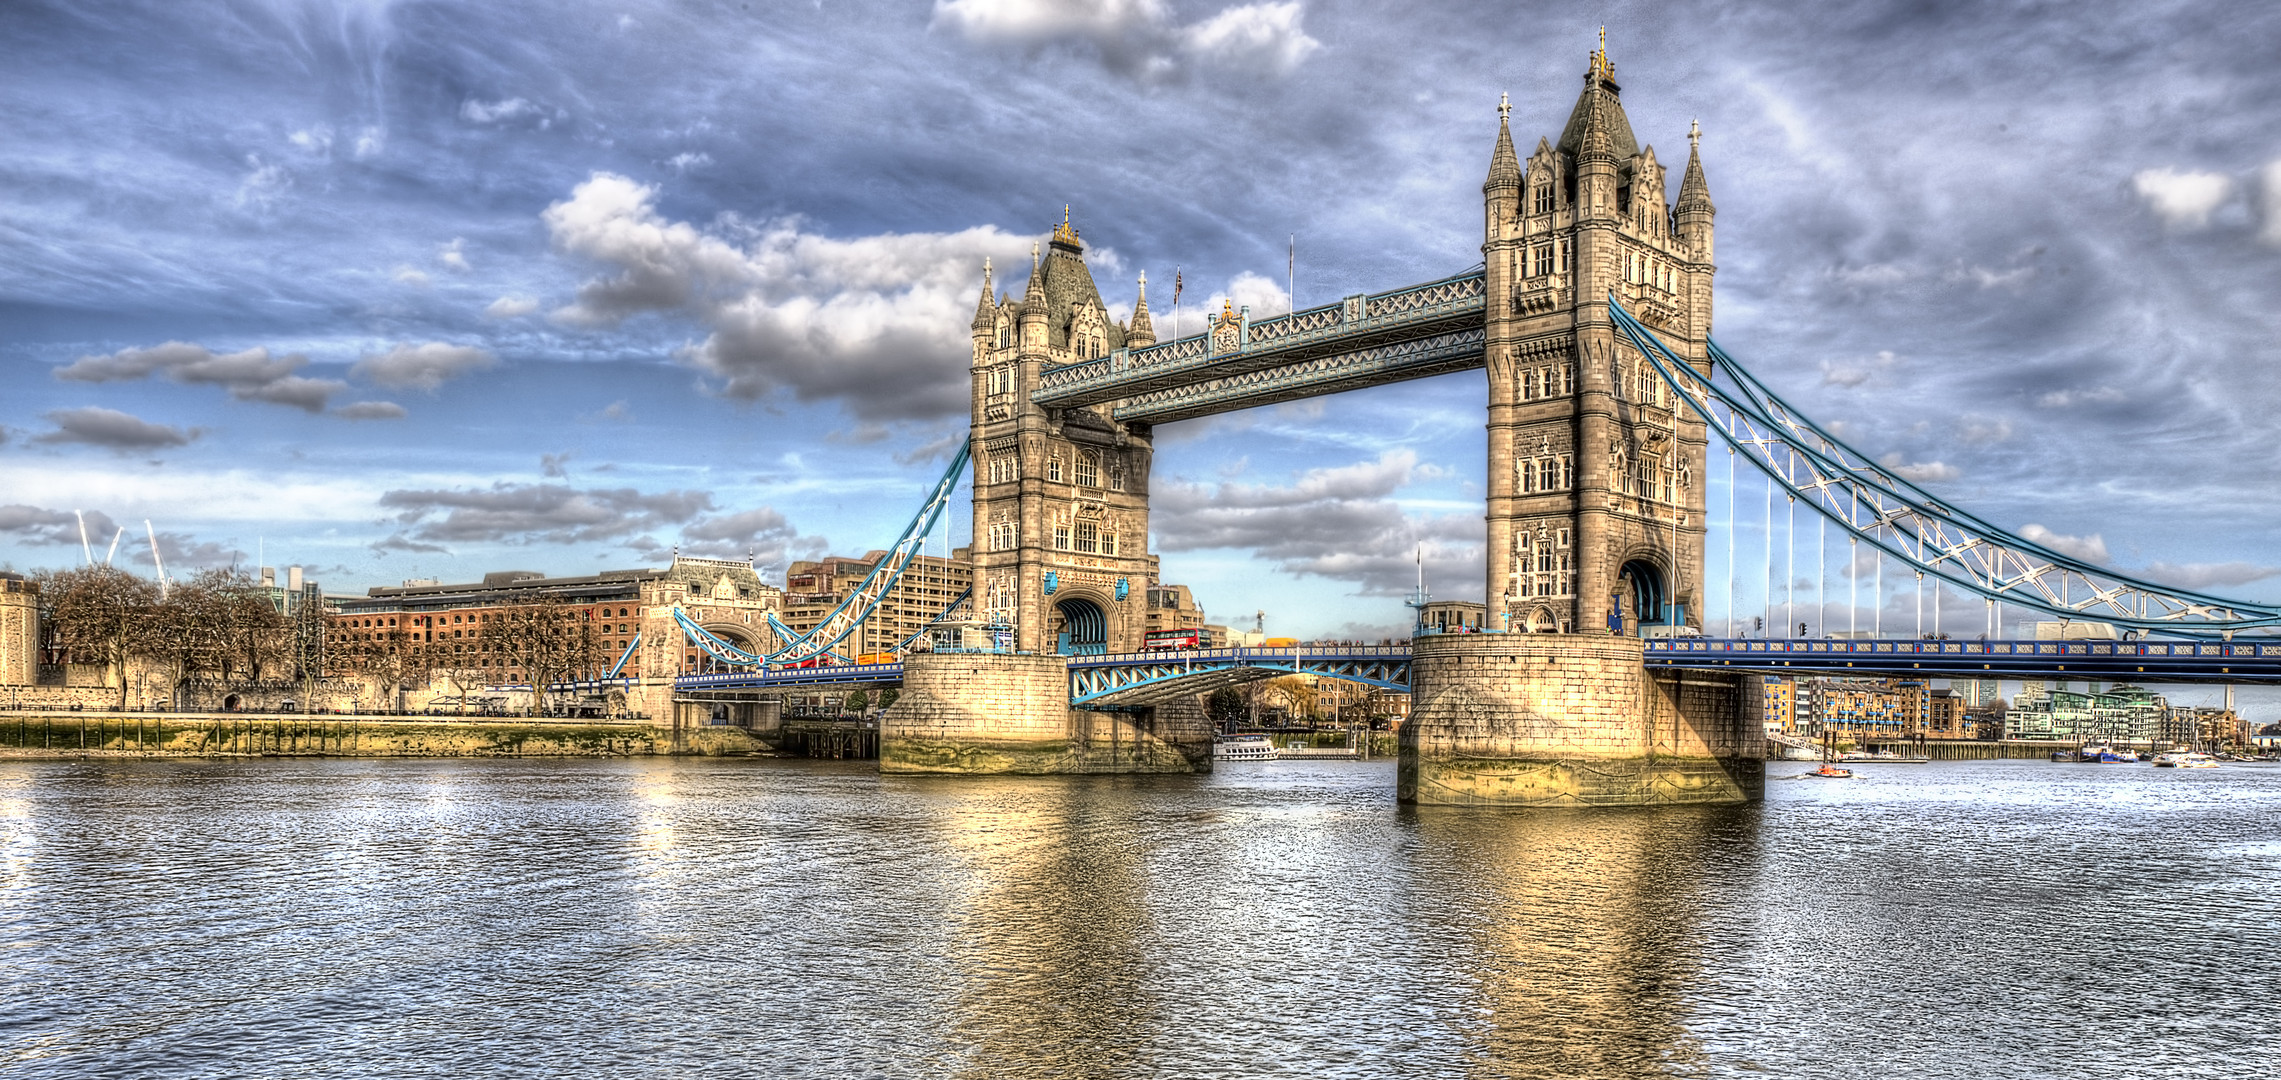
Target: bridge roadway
1150,678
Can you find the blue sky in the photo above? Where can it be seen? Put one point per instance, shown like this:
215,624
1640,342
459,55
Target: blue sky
403,290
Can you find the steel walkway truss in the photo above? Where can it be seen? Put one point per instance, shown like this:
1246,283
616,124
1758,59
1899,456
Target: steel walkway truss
1156,678
1366,340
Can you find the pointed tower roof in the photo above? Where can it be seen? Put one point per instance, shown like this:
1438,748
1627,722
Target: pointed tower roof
1599,110
1694,194
1504,165
1035,293
985,313
1140,327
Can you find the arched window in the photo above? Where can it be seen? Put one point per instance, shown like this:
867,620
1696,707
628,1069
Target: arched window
1088,469
1116,478
1053,467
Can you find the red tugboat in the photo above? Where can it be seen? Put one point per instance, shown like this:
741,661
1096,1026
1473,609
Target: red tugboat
1829,769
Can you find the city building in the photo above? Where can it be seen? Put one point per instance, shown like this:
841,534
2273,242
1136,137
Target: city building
726,597
813,589
2121,714
1175,620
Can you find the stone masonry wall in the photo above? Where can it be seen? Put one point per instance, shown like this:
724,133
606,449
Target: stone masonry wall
994,713
1571,719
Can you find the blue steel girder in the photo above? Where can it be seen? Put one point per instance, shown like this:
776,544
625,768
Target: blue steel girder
1154,678
2115,661
1355,325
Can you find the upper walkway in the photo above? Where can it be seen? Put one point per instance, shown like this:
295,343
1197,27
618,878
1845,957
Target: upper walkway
1363,340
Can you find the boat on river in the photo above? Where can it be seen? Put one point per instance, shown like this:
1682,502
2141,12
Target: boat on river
1244,748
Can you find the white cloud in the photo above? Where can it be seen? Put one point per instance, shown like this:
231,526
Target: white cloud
1921,473
2269,179
1262,294
426,366
1336,522
454,255
252,375
877,321
1853,373
370,143
316,140
511,307
1252,37
686,160
2182,199
262,184
2090,549
2068,399
406,275
476,111
1140,37
1973,430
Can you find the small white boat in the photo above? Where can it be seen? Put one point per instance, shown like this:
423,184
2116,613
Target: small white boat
1244,748
2197,760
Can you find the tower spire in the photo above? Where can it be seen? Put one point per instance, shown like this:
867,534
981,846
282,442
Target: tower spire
985,313
1504,165
1141,330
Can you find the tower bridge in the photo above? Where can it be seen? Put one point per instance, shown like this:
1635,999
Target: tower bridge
1590,312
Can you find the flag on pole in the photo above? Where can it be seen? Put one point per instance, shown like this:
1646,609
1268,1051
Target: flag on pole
1291,274
1175,284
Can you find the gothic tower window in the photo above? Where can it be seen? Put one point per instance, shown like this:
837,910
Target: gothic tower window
1088,469
1108,543
1544,197
1053,467
1061,536
1088,537
1116,478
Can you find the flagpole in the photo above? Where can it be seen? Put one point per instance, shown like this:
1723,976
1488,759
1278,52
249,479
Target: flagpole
1291,275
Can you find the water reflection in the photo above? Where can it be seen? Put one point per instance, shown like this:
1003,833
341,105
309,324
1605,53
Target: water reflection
1582,932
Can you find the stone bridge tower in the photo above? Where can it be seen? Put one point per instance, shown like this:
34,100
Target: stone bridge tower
1595,500
1060,495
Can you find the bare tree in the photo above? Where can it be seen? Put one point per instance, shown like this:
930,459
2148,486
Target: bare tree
387,657
546,643
99,615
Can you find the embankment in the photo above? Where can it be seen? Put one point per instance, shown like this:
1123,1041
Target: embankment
108,734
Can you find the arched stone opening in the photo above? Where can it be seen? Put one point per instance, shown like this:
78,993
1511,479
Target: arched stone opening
738,638
1541,621
1644,594
1084,627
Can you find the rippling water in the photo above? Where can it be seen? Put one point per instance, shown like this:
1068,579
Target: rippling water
675,918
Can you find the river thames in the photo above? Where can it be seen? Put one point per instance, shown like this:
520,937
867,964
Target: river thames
787,918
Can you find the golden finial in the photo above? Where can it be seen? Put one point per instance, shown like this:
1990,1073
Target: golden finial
1065,232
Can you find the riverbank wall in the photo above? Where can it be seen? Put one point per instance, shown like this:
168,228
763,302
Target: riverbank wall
170,735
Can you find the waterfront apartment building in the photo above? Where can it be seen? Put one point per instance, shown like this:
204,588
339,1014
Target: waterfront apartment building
2120,714
1173,608
813,589
725,596
1877,709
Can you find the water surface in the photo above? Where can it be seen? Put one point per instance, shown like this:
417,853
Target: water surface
708,917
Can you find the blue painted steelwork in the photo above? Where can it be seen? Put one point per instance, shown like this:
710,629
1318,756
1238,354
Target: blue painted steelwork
1350,326
859,604
1156,677
824,675
2117,661
625,656
1376,365
1878,506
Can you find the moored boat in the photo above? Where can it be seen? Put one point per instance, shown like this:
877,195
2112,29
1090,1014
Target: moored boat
1244,748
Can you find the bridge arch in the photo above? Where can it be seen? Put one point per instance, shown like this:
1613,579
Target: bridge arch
737,636
1645,590
1081,624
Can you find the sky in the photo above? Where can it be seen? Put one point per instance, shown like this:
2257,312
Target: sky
423,290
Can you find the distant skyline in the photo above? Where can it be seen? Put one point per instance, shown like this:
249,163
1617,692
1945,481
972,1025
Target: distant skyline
398,290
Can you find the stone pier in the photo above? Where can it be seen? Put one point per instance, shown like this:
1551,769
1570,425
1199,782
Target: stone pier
1573,720
986,713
